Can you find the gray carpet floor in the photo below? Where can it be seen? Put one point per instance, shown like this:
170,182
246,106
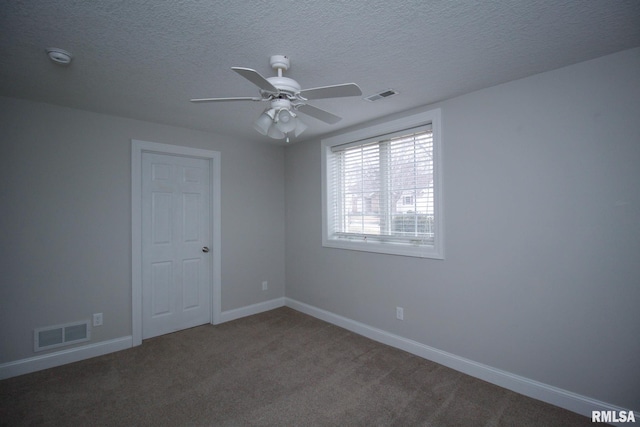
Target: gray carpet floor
279,368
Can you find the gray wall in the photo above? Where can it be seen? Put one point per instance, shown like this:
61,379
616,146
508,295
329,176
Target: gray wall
542,228
541,276
65,218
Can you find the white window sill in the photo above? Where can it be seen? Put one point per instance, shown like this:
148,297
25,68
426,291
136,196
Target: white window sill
385,248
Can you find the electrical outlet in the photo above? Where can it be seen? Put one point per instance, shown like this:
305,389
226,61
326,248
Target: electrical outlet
399,313
97,319
265,285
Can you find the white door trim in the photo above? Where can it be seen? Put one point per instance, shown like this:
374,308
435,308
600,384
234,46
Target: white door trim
137,148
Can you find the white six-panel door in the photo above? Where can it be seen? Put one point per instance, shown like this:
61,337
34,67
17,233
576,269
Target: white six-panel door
176,257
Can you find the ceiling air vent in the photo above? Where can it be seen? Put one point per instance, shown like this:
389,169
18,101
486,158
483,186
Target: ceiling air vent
380,95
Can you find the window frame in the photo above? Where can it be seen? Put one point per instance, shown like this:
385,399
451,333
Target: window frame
382,130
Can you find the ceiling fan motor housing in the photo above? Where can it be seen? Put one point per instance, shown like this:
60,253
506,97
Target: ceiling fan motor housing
285,84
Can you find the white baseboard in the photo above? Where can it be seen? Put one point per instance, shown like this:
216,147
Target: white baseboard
565,399
249,310
75,354
58,358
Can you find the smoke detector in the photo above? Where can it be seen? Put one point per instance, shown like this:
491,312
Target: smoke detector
59,56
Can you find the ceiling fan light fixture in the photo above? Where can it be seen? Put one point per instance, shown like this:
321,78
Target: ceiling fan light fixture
278,123
300,127
275,133
264,122
285,121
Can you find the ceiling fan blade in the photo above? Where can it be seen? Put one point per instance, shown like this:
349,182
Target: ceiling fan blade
256,78
319,114
335,91
243,98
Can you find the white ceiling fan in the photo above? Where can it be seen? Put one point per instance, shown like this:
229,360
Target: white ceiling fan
286,99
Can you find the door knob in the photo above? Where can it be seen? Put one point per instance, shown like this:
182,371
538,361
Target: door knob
205,249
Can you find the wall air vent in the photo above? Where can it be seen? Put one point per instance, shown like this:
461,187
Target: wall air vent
380,95
61,335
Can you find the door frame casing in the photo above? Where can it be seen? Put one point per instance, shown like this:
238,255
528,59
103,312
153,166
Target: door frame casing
137,149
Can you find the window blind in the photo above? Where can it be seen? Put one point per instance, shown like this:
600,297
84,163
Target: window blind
383,188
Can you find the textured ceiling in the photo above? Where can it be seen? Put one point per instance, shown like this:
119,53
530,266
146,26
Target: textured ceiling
145,59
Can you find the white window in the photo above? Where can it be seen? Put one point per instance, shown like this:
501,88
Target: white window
382,188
